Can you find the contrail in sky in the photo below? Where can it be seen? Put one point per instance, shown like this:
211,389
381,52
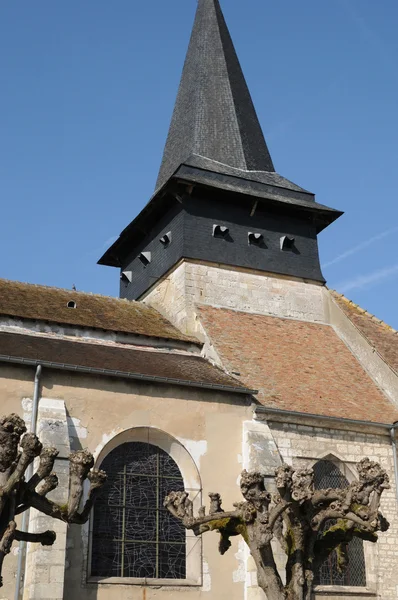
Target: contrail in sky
365,281
361,246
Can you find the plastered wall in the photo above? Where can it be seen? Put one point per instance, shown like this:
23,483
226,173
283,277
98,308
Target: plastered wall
16,389
209,425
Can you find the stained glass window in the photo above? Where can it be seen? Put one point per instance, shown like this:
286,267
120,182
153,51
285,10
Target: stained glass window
133,535
328,475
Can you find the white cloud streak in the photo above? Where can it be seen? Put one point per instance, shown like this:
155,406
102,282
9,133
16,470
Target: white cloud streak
361,246
109,242
369,280
103,247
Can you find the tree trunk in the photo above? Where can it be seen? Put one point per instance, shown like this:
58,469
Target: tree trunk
294,516
267,575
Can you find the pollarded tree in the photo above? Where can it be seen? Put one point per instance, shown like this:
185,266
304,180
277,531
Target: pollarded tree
309,524
18,450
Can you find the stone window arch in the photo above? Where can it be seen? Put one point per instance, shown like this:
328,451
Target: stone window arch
133,538
328,474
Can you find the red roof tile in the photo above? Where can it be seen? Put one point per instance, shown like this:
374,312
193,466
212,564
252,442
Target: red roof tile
295,365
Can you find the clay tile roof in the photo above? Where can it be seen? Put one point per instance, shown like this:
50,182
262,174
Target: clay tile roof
296,365
43,303
380,335
112,360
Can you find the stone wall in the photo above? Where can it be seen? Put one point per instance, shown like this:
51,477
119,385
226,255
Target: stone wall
259,453
45,566
302,445
192,283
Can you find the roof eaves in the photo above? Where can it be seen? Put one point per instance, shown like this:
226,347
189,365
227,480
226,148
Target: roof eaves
246,186
184,339
125,375
330,418
187,174
110,257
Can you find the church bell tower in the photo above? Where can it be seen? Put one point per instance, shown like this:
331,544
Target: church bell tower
218,198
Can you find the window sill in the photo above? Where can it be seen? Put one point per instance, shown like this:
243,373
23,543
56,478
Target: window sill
142,581
344,590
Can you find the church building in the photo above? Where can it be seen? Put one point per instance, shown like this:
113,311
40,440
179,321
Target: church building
225,351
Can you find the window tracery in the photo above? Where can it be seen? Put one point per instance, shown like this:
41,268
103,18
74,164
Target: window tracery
328,475
132,534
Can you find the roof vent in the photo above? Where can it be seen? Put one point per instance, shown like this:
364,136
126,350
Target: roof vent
255,239
166,239
71,304
145,258
287,243
126,277
220,231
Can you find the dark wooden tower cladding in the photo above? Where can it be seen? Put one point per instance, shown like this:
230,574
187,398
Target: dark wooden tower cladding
218,197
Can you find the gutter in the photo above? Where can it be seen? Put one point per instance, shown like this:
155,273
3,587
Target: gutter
294,413
28,475
388,427
125,375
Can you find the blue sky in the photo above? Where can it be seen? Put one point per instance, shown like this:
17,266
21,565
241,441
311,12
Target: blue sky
87,94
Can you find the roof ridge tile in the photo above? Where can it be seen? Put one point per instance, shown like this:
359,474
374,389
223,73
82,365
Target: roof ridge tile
380,335
61,289
362,310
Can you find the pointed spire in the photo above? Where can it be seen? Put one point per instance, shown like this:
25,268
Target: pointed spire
214,116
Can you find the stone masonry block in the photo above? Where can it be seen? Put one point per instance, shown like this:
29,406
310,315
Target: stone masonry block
46,591
48,563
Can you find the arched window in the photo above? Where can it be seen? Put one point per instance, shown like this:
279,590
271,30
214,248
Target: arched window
328,475
132,534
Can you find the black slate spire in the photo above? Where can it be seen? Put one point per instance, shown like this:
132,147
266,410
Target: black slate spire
214,116
218,198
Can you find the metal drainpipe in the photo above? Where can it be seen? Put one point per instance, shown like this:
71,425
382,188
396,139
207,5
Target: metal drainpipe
29,473
394,451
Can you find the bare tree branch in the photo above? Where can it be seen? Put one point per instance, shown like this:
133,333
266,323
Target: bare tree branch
48,484
46,465
294,517
18,450
47,538
80,464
